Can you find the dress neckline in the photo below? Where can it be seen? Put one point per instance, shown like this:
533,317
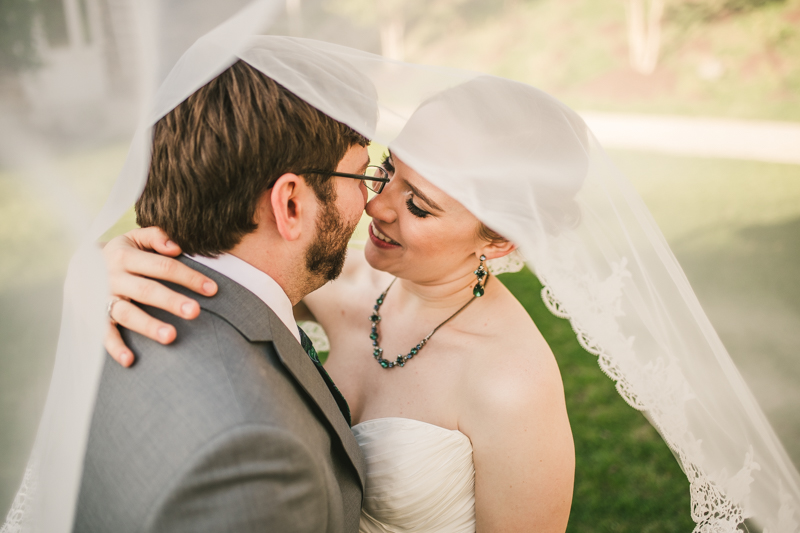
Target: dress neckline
413,420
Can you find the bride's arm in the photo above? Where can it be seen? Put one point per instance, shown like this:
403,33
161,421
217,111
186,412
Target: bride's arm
522,445
146,253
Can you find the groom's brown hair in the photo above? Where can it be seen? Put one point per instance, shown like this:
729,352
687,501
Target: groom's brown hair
217,152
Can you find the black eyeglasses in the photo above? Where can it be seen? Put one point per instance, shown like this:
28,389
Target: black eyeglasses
375,177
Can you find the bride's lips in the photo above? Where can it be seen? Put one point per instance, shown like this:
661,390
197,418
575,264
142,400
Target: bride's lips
378,242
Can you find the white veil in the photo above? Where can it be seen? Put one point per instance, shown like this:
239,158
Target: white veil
528,167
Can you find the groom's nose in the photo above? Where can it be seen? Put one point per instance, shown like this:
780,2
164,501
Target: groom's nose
363,187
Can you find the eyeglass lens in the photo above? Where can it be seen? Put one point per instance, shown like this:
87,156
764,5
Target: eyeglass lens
375,172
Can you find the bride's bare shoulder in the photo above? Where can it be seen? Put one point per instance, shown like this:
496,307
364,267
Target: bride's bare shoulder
512,366
513,410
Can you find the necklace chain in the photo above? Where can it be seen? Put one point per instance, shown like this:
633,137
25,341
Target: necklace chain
401,360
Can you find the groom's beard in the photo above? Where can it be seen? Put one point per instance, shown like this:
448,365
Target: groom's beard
325,256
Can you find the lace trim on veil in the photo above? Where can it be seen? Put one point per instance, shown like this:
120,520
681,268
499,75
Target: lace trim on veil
660,390
512,262
17,514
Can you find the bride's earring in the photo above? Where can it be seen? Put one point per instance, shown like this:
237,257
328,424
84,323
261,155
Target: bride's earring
481,274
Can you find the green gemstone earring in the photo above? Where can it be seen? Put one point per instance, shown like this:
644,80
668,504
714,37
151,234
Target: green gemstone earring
481,274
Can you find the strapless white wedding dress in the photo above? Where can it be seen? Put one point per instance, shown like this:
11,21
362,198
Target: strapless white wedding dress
420,478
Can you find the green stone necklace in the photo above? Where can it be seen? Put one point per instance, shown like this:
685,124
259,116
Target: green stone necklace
377,351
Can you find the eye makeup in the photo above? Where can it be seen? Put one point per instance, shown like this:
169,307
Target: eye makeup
414,210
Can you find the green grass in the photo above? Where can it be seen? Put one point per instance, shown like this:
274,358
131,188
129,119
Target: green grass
39,226
735,228
29,323
699,202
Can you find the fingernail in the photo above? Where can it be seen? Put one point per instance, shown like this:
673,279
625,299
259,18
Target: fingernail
209,287
187,308
170,244
163,334
126,358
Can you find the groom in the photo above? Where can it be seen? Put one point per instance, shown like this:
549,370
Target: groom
234,426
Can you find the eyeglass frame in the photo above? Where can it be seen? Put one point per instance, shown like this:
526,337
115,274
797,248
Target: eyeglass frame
362,177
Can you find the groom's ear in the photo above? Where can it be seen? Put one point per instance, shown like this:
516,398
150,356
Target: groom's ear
290,201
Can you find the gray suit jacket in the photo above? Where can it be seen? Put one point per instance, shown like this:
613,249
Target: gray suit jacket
230,428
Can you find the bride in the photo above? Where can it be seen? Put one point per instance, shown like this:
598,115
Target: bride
466,429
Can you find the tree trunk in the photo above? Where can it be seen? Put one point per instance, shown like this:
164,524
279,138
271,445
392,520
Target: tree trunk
295,16
392,28
644,34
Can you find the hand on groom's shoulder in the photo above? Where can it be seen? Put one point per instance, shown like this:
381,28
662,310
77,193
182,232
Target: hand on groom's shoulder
210,433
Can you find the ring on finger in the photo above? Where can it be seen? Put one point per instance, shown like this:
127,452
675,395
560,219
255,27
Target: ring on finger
110,308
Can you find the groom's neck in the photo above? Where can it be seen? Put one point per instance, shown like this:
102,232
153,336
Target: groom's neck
283,261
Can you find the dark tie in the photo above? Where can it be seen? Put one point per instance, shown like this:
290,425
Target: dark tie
308,346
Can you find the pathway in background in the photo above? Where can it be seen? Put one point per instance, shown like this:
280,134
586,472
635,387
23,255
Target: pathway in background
774,142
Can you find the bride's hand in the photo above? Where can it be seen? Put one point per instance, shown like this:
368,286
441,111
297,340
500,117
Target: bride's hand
130,261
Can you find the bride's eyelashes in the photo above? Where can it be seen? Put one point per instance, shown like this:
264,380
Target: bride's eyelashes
414,210
412,207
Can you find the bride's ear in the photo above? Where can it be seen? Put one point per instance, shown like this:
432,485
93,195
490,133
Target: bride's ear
493,250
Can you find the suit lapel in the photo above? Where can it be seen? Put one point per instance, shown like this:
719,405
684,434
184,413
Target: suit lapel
300,365
258,323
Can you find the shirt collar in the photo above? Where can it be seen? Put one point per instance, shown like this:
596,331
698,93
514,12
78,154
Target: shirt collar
257,282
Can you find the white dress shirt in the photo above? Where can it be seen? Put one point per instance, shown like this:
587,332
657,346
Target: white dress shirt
255,281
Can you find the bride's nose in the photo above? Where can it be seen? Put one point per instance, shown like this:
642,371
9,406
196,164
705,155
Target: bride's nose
380,207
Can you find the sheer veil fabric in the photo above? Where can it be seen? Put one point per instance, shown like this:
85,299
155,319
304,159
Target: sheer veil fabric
528,167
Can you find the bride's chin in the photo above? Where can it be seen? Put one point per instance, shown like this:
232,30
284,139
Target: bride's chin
376,258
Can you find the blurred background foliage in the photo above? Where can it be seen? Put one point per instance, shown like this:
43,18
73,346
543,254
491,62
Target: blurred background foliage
17,46
733,58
